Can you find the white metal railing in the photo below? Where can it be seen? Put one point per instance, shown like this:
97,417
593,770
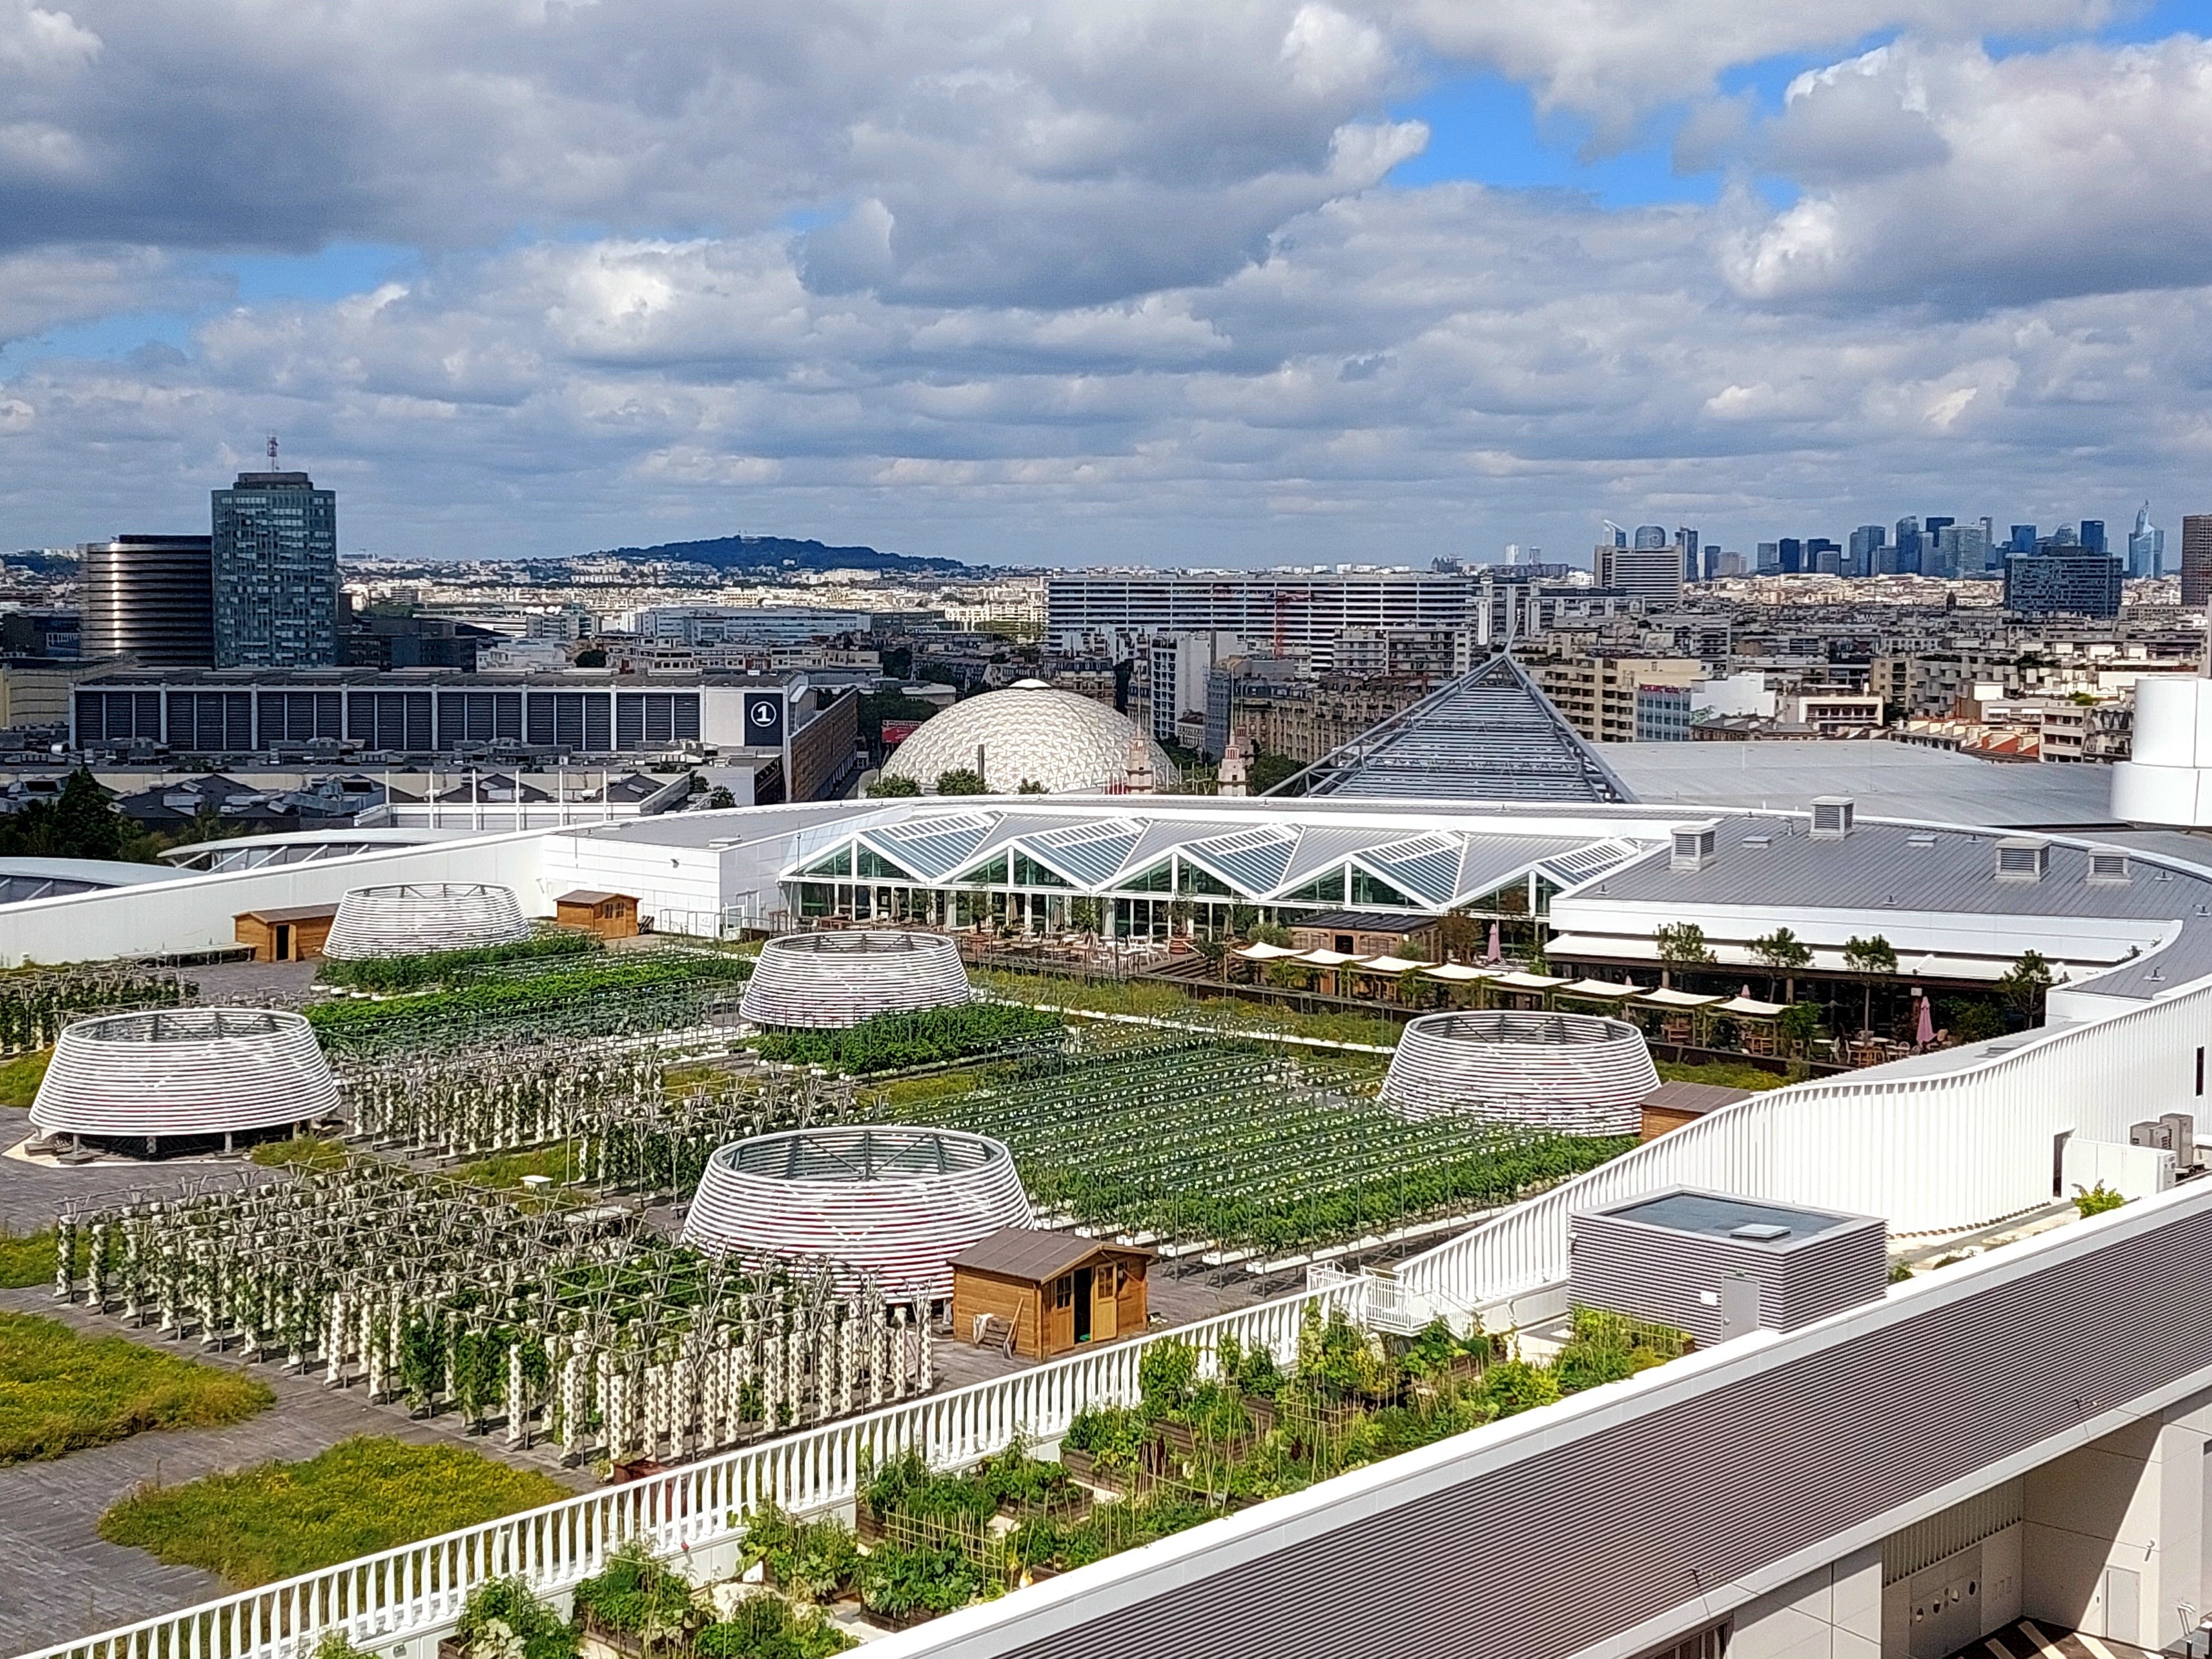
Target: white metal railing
419,1588
1930,1153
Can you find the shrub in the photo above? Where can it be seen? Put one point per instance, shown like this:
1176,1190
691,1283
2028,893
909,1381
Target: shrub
898,1582
1518,1385
810,1560
502,1619
1113,1435
2095,1201
766,1627
1165,1372
633,1593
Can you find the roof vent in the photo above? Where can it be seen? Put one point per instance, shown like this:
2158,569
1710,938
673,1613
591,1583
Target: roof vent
1920,841
2022,858
1759,840
1832,816
1693,845
1764,1232
2107,869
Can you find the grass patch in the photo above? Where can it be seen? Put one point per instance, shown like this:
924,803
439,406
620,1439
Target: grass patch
561,1160
60,1392
1719,1071
26,1260
907,1091
21,1077
255,1525
300,1153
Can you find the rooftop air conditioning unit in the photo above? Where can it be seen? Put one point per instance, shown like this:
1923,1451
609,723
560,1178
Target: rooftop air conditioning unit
1832,816
2022,858
1693,845
2108,869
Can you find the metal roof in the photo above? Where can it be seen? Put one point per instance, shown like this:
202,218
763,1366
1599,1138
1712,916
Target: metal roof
1031,1254
1489,735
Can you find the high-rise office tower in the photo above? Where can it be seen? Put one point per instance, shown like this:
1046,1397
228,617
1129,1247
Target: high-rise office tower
1646,572
2092,535
1712,557
1908,546
1931,528
1823,555
1958,550
151,598
2022,539
1791,551
275,560
1769,558
1650,536
1864,540
2196,558
2146,546
1685,543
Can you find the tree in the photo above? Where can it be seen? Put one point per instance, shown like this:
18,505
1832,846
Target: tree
719,798
1875,958
885,788
2024,985
85,825
1680,944
1083,915
1029,786
961,780
1782,950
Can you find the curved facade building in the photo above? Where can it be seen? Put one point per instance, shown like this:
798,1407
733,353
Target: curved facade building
1574,1074
1029,733
184,1071
151,598
417,918
825,980
884,1203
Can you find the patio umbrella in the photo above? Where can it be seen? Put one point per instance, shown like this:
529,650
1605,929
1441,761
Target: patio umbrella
1492,956
1924,1033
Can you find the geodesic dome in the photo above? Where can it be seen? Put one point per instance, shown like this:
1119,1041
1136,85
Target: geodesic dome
821,982
1575,1074
170,1071
886,1203
416,918
1027,733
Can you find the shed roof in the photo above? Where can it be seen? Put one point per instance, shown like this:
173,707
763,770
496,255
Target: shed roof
585,896
1696,1098
294,913
1033,1254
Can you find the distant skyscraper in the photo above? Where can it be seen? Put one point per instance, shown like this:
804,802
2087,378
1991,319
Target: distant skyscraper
1864,540
1650,536
1712,556
2196,558
1959,551
1769,558
1645,573
1685,543
1908,546
1792,553
1930,528
2092,535
2022,539
275,560
151,598
2146,546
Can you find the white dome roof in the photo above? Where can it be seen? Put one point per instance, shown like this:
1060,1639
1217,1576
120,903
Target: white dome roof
1027,733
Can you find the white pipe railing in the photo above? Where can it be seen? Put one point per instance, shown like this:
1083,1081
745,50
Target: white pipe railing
418,1589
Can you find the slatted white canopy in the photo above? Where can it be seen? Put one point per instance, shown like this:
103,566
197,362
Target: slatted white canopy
415,918
822,981
1579,1074
876,1201
173,1071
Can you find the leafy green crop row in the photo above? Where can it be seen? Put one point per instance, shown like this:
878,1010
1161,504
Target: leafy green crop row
893,1042
414,973
595,997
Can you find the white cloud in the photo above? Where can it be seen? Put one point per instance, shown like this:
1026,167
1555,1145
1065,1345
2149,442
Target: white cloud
36,42
1942,173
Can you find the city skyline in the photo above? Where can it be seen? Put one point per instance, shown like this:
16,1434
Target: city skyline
1288,282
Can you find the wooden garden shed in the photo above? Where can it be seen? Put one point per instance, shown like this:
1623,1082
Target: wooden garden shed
1055,1290
611,915
296,934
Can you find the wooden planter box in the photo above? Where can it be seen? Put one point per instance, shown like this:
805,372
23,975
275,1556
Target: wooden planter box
1262,1413
628,1643
902,1621
1182,1441
867,1525
1081,1464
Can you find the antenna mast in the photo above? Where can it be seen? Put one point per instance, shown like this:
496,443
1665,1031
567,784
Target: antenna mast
272,451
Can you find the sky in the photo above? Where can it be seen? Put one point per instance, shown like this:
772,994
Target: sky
1224,283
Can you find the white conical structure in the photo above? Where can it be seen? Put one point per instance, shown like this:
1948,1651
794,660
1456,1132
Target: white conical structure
1577,1074
174,1071
829,980
420,917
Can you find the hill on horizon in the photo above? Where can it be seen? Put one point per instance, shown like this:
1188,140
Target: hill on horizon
780,552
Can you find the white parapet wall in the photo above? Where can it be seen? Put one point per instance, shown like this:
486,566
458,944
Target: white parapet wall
2168,777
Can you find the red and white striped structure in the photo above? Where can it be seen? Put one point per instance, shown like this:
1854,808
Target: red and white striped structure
881,1202
171,1072
1574,1074
821,981
419,917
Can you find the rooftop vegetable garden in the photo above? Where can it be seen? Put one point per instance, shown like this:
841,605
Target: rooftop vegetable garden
899,1042
1245,1151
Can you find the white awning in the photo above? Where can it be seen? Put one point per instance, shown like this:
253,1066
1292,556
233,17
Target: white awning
1263,951
1667,997
1389,965
1751,1007
1458,973
1328,958
1519,981
1600,988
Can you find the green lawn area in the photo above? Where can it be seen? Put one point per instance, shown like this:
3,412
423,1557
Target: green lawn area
507,1170
304,1152
60,1391
1722,1074
255,1525
26,1260
19,1078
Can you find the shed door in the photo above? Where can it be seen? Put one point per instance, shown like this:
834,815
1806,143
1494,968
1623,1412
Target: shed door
1104,1325
1083,1298
283,952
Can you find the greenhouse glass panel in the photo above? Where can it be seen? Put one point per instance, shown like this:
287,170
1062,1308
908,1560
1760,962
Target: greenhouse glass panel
1205,882
1372,890
1029,872
1324,890
1429,867
1254,859
875,866
1158,879
990,870
839,863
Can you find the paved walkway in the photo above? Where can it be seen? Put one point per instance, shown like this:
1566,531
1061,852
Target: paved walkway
58,1579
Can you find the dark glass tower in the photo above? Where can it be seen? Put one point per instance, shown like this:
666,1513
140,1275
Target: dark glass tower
276,568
